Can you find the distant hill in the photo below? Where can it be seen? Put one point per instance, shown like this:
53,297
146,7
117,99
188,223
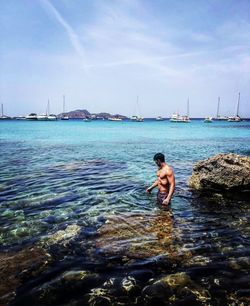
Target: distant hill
83,113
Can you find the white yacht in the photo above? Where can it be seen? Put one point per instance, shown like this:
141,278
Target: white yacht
159,118
115,119
52,117
31,116
234,119
20,118
137,118
176,117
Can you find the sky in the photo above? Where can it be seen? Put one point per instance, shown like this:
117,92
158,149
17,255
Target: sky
102,54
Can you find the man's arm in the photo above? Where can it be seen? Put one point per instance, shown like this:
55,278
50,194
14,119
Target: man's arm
171,181
152,186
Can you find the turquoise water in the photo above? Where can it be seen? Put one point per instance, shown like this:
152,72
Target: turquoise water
56,174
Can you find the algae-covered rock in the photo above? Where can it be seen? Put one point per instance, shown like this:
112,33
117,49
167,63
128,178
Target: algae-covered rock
223,172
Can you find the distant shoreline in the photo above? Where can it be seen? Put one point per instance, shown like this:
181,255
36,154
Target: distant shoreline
125,119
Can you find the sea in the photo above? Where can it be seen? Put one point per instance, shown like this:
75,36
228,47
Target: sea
78,228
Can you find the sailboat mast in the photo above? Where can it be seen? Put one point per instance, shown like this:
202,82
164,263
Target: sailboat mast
63,103
2,109
137,106
188,107
48,111
218,107
238,105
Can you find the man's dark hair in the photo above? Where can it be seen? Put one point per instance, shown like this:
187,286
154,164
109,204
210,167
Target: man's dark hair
159,156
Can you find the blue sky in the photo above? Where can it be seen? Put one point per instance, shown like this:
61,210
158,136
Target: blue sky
102,54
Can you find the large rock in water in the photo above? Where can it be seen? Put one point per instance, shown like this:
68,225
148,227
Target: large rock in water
223,172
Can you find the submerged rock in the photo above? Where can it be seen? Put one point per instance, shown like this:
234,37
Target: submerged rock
62,288
223,172
14,267
140,236
175,289
62,236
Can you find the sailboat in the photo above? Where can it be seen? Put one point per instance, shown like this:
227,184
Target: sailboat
43,117
64,117
176,117
3,117
218,117
237,117
51,117
137,118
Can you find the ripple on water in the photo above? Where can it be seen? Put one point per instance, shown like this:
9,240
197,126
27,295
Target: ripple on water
83,202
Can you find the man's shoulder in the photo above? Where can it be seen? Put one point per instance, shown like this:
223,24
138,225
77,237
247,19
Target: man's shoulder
168,170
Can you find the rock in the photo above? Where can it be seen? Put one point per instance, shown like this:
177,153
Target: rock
176,288
99,296
14,267
62,236
129,285
133,235
126,286
142,275
223,172
62,288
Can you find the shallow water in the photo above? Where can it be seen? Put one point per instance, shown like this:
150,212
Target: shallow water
93,176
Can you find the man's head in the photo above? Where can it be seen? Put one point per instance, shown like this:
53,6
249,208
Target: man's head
159,158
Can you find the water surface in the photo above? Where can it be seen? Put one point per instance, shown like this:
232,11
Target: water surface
87,181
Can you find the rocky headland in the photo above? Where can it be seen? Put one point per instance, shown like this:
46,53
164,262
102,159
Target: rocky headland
83,114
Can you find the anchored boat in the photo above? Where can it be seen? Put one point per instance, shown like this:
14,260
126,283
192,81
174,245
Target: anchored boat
64,117
218,117
176,117
31,116
3,117
208,120
237,117
137,118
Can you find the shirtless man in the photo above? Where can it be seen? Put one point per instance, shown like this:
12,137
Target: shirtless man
165,180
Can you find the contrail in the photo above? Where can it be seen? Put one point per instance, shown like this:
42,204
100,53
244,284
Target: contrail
74,39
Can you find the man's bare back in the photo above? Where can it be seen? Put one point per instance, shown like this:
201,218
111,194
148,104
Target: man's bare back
165,180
